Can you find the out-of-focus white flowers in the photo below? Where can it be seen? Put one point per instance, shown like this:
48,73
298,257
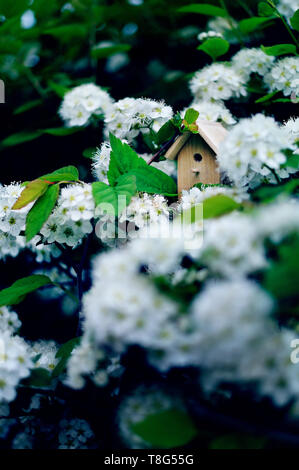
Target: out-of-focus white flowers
287,7
292,128
87,360
252,149
196,196
11,221
9,320
248,61
231,247
283,76
208,35
15,364
82,102
217,82
129,117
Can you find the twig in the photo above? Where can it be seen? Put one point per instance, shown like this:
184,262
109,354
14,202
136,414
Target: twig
161,150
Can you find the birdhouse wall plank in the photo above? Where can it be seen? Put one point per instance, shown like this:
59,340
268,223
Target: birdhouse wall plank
196,164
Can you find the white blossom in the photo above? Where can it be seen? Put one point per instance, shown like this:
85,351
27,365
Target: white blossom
82,102
217,82
248,61
284,76
129,117
252,149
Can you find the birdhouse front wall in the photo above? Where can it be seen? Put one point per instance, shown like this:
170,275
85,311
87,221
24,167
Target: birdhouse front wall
196,164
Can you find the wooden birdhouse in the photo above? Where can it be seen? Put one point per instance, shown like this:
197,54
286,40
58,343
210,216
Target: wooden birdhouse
196,154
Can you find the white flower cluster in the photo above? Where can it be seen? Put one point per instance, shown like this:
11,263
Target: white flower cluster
43,354
196,196
129,117
217,82
209,35
87,360
292,128
231,246
9,321
81,102
254,60
278,219
70,220
144,209
75,434
240,343
129,310
287,7
15,364
254,149
12,222
215,112
283,76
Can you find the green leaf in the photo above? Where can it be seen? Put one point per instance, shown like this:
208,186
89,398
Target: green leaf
191,115
39,377
27,106
203,9
167,429
295,20
15,293
153,181
61,131
67,32
32,191
101,52
63,353
270,192
20,138
166,132
252,24
264,9
237,441
104,194
122,159
282,278
267,97
126,186
59,89
279,49
11,9
214,47
89,152
218,205
292,161
40,212
66,173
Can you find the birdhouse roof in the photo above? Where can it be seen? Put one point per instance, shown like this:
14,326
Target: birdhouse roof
212,133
